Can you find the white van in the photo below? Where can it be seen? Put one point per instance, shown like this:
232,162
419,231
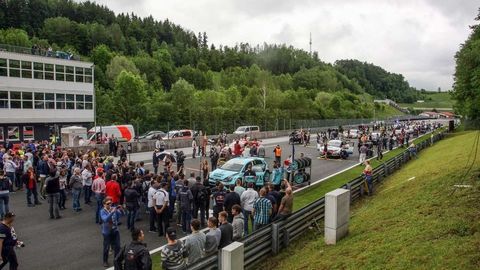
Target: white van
123,133
246,130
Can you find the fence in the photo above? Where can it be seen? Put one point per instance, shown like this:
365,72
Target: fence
271,239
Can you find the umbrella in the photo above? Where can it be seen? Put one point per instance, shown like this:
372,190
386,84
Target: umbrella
163,155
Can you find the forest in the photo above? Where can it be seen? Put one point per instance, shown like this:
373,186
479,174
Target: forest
157,75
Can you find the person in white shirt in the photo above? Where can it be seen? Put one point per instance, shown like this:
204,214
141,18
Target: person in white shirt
87,182
247,198
161,208
150,204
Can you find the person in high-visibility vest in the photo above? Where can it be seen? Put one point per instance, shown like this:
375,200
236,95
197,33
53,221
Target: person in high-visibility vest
53,141
278,154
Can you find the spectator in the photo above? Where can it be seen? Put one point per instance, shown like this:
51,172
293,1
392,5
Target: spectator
155,160
10,169
212,239
231,199
247,199
185,198
111,236
286,205
363,153
367,172
218,198
262,210
30,182
152,190
200,197
98,188
87,182
239,189
131,202
277,175
52,189
238,222
161,200
113,190
195,243
134,256
191,180
173,253
76,185
8,241
5,185
63,185
412,149
226,230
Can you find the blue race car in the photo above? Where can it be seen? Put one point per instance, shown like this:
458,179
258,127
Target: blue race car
235,168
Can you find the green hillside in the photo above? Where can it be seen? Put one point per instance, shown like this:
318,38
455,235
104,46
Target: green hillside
432,100
415,220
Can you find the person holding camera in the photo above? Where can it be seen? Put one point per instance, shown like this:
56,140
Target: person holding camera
111,236
8,242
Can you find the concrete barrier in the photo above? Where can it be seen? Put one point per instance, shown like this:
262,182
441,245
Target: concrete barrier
337,215
233,257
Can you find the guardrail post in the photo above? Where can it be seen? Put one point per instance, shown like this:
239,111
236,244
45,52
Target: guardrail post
233,257
337,215
275,238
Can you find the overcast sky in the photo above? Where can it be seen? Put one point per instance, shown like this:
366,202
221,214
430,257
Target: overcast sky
415,38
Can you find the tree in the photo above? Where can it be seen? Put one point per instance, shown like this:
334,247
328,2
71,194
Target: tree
117,65
101,56
129,97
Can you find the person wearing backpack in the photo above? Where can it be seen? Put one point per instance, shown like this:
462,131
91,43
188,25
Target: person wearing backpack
200,198
185,198
218,198
134,256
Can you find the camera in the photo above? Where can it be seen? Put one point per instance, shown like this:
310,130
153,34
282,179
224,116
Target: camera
20,244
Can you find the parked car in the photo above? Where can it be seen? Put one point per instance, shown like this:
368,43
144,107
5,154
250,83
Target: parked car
179,134
235,168
152,135
243,130
295,137
352,133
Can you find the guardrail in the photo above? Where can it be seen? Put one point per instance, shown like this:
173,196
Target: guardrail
273,238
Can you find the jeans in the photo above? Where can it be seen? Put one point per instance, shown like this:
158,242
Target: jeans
196,208
111,239
42,186
131,214
76,198
63,198
162,222
53,200
369,180
186,219
11,176
152,218
29,195
99,197
155,169
88,193
246,216
4,198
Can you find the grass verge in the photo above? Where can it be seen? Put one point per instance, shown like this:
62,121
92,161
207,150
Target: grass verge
410,223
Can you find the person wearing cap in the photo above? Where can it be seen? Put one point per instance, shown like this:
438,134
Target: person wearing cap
174,252
134,256
8,241
111,236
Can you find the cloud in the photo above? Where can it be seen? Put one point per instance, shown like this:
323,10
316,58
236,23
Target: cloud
417,38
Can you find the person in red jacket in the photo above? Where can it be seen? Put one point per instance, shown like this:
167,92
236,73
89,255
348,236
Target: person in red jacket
112,190
237,149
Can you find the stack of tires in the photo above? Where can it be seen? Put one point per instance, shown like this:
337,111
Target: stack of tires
299,166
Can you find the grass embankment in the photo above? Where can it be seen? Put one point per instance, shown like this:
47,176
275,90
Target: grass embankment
410,223
311,194
388,112
432,100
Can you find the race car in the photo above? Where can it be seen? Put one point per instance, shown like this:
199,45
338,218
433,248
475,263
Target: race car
235,168
339,149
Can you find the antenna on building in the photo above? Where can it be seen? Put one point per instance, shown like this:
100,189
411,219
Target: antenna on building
310,43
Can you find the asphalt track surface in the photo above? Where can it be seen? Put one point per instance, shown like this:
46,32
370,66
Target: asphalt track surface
75,241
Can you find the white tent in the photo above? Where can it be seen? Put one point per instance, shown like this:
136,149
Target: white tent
73,136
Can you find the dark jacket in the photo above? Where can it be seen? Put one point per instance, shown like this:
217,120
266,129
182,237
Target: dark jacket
134,256
43,167
52,185
131,198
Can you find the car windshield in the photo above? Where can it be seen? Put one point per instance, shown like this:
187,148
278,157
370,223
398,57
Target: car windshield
171,133
241,129
335,143
233,165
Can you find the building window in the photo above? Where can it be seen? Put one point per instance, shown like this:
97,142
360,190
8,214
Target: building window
27,102
26,69
15,100
38,70
70,102
3,100
39,101
49,72
3,67
28,133
69,74
13,133
50,101
80,102
88,75
59,73
60,99
88,102
78,74
14,68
